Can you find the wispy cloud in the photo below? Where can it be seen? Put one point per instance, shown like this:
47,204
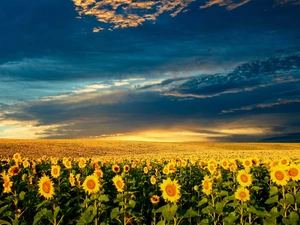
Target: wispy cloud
229,4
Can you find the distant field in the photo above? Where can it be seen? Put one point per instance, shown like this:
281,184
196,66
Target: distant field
101,148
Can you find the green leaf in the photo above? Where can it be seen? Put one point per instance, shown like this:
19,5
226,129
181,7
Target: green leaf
230,218
56,211
294,218
219,207
272,200
286,221
190,213
270,221
41,204
22,195
289,199
15,222
169,212
161,209
114,213
4,222
223,193
256,188
251,209
273,191
103,198
203,201
3,208
208,209
204,222
132,203
162,222
274,212
292,183
298,198
38,217
233,204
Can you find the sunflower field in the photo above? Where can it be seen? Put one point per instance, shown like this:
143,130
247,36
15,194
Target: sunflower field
149,190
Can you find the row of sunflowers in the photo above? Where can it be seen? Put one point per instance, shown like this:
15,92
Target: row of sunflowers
148,190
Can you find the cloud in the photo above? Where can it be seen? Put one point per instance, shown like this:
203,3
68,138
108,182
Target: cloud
244,78
229,4
263,105
284,2
127,13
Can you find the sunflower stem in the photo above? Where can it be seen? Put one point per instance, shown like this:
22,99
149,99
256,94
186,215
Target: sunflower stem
295,192
241,220
284,204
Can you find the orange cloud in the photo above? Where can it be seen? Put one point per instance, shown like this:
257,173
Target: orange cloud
127,13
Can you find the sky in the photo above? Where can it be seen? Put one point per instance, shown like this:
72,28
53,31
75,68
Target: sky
150,70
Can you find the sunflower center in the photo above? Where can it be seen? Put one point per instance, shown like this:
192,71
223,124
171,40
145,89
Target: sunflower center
91,184
119,184
6,184
171,190
242,195
55,171
284,161
224,163
279,175
211,167
247,163
244,178
293,172
46,187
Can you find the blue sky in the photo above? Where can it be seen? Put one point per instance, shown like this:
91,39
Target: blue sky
182,70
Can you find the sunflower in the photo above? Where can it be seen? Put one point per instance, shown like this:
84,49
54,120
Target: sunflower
14,170
68,164
284,161
46,188
119,183
98,173
26,163
17,157
279,175
211,168
146,169
172,168
82,162
126,168
242,194
77,176
247,163
95,165
170,190
91,184
225,164
244,178
166,170
7,183
255,160
294,171
183,163
153,180
115,168
72,179
207,185
54,160
154,199
55,171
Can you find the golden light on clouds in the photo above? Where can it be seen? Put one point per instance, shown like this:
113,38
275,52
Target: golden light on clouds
127,13
163,136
